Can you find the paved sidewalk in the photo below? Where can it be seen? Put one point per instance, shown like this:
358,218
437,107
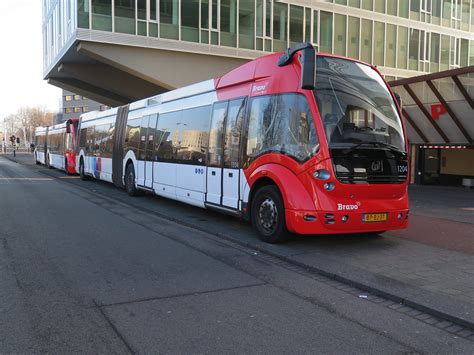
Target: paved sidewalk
429,265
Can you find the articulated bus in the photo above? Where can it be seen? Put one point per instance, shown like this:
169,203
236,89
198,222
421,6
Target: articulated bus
55,146
295,142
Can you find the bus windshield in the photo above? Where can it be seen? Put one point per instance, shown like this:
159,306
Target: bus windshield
355,106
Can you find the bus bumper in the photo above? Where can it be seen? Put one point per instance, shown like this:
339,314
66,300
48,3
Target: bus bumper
342,222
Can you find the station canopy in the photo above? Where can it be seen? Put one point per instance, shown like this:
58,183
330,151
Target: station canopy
438,108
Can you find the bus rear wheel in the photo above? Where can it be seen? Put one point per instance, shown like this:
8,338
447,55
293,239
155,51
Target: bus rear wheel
268,215
82,172
130,181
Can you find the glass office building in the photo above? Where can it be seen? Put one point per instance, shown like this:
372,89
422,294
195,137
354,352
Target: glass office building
402,37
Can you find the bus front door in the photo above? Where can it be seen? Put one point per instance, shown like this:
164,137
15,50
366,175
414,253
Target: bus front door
223,173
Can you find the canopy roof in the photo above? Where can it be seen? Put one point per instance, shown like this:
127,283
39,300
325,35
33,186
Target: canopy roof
438,108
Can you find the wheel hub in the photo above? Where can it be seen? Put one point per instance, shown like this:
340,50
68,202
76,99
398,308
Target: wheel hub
268,214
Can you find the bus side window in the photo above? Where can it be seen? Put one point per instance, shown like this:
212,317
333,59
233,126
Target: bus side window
233,131
215,134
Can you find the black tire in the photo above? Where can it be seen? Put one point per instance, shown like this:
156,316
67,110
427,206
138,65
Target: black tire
268,215
130,180
82,173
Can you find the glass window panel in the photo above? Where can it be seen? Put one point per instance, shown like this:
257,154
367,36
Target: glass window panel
102,15
367,4
153,29
296,24
380,6
281,123
214,13
379,40
189,21
205,14
124,16
447,13
415,9
472,20
280,18
83,13
434,52
315,26
391,46
246,24
436,12
268,18
141,28
366,41
340,34
183,136
471,55
341,2
465,15
260,18
141,9
354,3
153,10
392,6
325,38
464,53
353,44
169,19
233,129
229,23
307,30
215,150
414,49
403,8
444,53
402,47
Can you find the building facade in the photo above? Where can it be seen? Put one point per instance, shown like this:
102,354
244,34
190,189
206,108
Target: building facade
159,38
119,51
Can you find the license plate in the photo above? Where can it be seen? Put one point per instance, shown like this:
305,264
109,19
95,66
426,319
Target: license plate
375,217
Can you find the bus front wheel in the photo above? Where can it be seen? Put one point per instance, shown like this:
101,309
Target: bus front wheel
268,215
130,181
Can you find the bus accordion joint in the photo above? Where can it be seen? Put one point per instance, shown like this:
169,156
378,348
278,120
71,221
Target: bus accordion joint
308,66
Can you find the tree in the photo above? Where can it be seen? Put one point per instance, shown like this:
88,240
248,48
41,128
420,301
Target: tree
25,120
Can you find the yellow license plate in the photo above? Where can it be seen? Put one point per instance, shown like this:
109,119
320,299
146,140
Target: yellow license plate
375,217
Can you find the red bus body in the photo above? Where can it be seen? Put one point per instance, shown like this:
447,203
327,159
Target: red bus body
304,196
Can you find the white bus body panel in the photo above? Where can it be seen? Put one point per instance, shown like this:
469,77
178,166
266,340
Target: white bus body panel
40,157
230,186
140,173
57,161
106,169
214,185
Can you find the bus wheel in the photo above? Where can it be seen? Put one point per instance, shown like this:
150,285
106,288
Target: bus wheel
268,215
82,173
130,181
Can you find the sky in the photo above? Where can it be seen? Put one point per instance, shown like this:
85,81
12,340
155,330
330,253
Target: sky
21,58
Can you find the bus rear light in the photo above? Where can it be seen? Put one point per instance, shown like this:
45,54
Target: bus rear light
329,186
322,174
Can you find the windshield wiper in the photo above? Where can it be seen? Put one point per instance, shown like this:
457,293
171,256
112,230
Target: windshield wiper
386,145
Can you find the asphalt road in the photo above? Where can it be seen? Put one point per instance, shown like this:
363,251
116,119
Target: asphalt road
87,272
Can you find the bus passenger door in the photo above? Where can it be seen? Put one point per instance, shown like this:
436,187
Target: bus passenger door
214,158
231,154
141,158
150,141
223,172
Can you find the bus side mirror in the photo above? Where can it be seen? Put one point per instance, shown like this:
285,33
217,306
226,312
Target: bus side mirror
307,60
399,99
68,127
308,68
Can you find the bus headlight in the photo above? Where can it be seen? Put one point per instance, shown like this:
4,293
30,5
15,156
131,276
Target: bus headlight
322,174
329,186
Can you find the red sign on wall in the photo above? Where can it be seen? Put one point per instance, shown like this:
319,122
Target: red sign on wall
437,110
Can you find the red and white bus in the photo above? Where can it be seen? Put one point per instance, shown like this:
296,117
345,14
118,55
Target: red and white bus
55,146
267,142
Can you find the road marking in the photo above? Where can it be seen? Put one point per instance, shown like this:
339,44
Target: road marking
468,208
25,178
69,177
